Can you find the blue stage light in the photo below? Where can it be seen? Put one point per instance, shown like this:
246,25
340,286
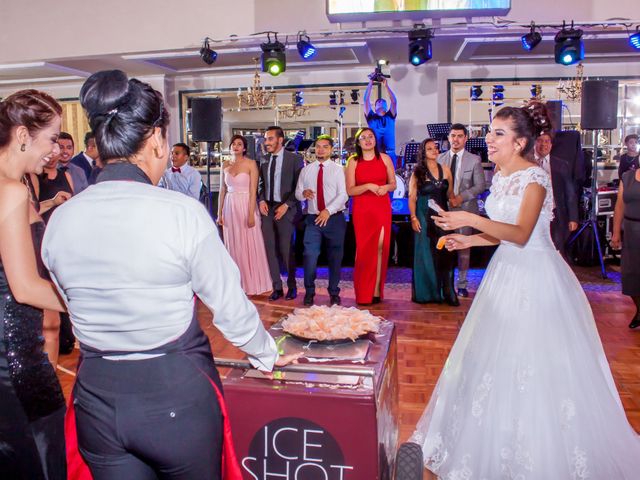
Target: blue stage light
569,47
634,40
306,48
420,48
531,39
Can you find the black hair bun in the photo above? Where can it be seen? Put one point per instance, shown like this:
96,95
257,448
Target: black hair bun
104,92
539,115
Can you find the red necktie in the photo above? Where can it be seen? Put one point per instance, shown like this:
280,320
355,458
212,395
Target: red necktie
320,189
175,169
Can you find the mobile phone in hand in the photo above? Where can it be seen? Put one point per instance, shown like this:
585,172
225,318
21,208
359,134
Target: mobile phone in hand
434,206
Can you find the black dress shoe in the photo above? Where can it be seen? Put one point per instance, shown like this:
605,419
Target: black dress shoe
635,323
292,293
453,302
335,300
308,299
276,294
462,292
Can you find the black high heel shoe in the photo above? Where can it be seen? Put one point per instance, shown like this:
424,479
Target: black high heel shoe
635,323
376,300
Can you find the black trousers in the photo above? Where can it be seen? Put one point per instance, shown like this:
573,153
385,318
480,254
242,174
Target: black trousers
278,242
149,419
333,235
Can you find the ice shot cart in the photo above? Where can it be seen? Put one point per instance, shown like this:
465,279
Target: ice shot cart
331,417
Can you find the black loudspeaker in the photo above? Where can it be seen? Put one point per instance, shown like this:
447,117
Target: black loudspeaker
599,106
206,119
554,109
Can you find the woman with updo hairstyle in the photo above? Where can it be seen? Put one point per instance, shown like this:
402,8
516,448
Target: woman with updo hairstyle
239,218
31,401
147,401
526,391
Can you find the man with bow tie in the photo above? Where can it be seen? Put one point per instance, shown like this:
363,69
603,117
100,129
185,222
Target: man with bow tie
181,176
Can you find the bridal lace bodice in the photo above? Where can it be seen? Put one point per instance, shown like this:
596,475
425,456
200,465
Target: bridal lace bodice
507,191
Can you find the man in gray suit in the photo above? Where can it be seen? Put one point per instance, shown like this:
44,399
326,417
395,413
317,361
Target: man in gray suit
279,208
468,183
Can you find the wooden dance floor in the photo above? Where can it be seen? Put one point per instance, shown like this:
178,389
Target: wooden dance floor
427,332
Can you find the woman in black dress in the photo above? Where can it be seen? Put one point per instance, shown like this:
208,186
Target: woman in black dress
53,187
432,267
627,219
31,401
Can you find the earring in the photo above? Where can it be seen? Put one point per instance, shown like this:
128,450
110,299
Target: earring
23,147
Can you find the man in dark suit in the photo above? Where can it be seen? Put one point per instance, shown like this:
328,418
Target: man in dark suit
468,183
565,198
86,160
279,208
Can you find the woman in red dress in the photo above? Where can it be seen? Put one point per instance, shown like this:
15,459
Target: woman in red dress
370,178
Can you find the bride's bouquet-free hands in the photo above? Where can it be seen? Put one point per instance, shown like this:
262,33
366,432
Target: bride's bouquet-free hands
455,241
454,220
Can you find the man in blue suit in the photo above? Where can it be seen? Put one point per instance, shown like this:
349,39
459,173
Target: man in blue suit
87,159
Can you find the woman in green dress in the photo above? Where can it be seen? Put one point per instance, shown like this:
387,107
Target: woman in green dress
432,267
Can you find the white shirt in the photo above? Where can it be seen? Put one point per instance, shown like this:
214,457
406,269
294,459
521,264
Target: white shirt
457,174
333,180
545,163
129,275
89,160
188,181
276,176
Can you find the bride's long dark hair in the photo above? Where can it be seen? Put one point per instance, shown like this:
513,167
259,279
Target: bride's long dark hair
529,122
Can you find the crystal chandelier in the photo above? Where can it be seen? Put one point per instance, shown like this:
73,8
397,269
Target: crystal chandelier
256,96
294,110
572,89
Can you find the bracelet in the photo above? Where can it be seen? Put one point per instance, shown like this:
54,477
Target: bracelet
413,217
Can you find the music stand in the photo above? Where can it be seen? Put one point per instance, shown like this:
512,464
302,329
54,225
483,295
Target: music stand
591,222
478,146
411,152
439,131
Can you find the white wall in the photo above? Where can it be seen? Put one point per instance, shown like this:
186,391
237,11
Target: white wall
43,30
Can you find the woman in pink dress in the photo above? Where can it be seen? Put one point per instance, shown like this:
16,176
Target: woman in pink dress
238,215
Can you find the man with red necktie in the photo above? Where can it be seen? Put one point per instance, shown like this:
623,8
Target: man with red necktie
182,177
322,185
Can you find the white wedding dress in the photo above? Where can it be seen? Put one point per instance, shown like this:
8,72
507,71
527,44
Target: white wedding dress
526,392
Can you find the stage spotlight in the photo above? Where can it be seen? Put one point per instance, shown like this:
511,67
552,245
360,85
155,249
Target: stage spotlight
208,55
355,96
536,90
569,48
332,98
634,40
498,95
420,49
274,59
298,98
531,39
340,97
305,48
476,93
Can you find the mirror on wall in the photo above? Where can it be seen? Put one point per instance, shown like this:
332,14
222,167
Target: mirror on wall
303,112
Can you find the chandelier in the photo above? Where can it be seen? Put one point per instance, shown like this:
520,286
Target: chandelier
296,109
256,96
572,89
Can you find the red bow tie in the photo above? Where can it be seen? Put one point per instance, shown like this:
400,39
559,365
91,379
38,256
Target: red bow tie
176,169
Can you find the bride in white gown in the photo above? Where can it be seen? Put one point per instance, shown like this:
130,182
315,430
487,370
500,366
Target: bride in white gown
526,392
